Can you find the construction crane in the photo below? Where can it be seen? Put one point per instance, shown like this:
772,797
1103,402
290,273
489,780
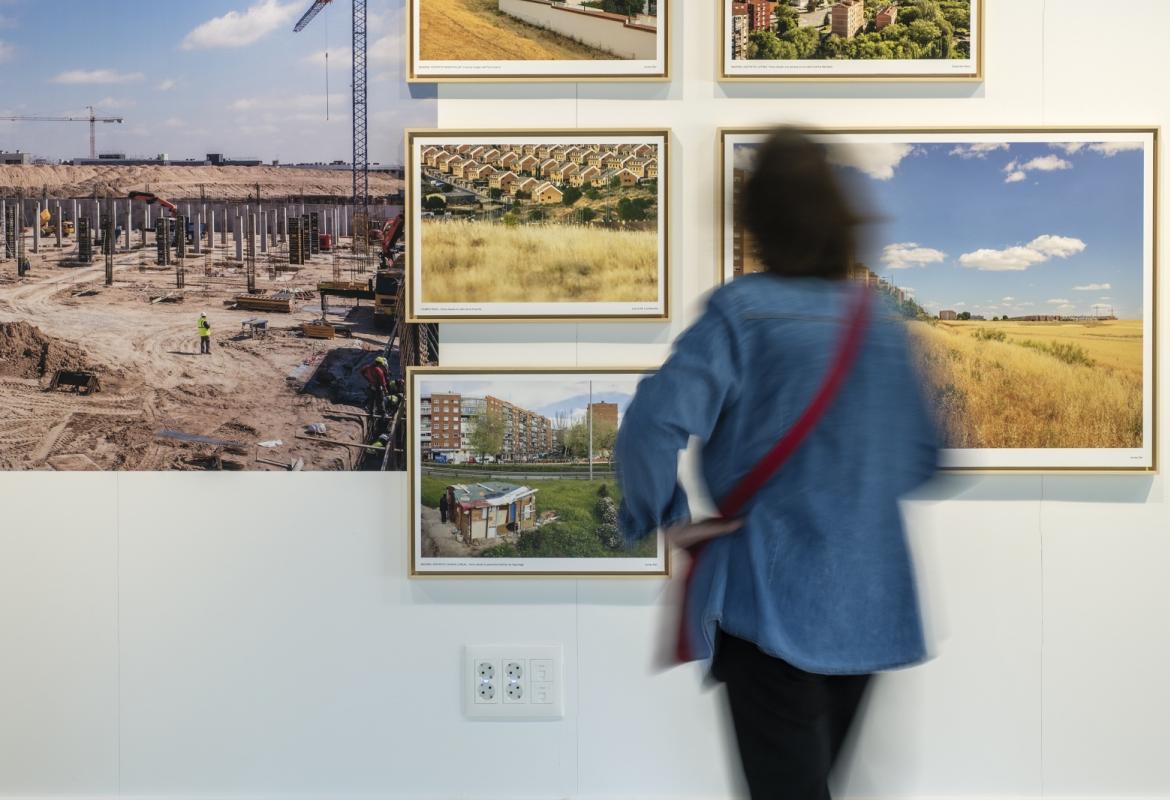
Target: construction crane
361,158
93,119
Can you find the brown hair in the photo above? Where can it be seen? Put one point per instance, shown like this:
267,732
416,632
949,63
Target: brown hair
796,210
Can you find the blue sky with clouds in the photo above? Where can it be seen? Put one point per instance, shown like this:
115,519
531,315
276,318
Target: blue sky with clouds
997,228
192,78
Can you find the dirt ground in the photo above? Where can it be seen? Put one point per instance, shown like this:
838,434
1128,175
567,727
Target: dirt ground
212,183
153,378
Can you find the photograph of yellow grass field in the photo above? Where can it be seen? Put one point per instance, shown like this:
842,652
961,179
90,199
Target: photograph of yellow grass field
534,226
479,258
1028,294
454,30
1034,384
548,39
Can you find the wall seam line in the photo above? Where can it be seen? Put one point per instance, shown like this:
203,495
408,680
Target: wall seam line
118,633
577,687
1040,526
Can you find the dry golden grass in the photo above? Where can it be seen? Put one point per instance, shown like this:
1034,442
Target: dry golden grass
475,30
1002,394
487,262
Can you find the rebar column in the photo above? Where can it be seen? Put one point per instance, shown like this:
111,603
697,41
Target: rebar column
197,239
84,241
250,266
37,230
162,241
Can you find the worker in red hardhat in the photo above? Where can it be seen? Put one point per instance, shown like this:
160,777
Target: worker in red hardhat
375,374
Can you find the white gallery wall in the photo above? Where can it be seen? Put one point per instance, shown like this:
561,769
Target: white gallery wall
248,635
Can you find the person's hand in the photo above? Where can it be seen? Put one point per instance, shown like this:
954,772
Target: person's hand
692,533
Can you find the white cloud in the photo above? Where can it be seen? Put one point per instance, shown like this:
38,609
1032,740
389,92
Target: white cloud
910,254
960,304
239,29
1110,149
1093,287
1020,257
174,122
1071,148
1046,164
289,103
1017,171
94,76
978,149
1025,305
875,160
1007,300
167,85
1106,297
341,58
1059,301
114,103
1058,246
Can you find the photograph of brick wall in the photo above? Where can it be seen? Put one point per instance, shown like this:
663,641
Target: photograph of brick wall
484,38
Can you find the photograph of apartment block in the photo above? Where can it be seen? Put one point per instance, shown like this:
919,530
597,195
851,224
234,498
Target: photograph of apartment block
788,30
447,423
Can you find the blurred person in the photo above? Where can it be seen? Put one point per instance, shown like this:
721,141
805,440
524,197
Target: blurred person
799,384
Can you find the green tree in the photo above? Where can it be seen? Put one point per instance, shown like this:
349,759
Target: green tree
804,40
764,46
630,8
495,194
965,316
587,214
537,215
435,203
634,209
487,438
571,195
785,18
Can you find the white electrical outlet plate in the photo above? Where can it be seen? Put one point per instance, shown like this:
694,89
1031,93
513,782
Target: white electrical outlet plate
514,682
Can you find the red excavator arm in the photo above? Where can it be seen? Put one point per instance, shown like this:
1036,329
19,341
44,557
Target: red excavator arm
392,233
149,198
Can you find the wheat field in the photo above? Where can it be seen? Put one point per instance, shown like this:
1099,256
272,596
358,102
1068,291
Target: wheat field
1034,385
489,262
475,30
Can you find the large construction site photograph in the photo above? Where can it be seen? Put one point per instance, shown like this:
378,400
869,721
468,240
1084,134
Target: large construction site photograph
206,311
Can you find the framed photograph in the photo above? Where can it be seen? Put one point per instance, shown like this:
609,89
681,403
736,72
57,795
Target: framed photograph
511,473
1024,261
537,225
538,40
851,40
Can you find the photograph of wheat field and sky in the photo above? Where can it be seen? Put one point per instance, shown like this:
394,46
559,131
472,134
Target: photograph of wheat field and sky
1023,263
542,39
886,39
530,226
513,472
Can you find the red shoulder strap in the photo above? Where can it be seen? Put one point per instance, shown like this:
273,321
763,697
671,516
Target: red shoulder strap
735,501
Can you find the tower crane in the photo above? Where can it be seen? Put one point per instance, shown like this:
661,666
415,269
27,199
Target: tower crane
93,119
361,158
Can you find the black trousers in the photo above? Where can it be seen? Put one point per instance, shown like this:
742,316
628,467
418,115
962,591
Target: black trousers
789,724
204,344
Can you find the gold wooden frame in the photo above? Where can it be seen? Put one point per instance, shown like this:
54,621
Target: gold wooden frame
1154,131
664,185
721,75
412,75
414,487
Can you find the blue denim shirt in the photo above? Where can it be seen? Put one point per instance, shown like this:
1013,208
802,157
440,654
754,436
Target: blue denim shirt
820,575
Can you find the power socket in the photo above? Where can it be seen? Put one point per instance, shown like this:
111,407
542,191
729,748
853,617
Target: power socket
514,682
485,673
515,686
